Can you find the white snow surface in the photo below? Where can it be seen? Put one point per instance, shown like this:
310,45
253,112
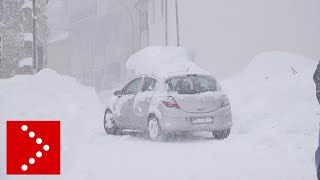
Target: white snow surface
274,134
27,4
26,62
163,61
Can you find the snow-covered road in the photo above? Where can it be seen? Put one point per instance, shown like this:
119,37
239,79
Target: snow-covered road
239,157
274,136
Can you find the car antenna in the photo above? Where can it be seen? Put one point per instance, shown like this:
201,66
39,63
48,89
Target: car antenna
188,67
190,63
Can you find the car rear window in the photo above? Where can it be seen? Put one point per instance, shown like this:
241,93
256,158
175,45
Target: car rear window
192,84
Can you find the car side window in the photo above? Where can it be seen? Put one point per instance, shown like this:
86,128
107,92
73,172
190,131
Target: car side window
132,87
149,84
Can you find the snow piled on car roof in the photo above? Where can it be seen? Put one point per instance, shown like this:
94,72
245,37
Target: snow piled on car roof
163,61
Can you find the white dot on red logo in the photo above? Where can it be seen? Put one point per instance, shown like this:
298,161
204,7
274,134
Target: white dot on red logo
31,134
39,141
24,128
46,147
24,167
32,161
39,154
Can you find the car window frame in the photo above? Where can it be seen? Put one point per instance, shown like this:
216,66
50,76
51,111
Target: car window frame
139,88
152,77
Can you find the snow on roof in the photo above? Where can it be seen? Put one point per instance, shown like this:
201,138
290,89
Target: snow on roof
28,36
163,61
27,4
26,62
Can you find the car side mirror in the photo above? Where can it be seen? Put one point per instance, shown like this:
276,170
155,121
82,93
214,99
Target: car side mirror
118,93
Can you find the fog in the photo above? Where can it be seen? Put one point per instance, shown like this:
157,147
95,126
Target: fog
224,35
227,34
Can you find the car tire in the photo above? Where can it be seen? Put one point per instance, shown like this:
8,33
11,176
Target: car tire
109,124
154,130
220,135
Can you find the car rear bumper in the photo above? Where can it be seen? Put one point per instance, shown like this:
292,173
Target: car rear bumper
180,122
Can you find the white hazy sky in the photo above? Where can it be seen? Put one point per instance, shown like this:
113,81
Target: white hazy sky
227,34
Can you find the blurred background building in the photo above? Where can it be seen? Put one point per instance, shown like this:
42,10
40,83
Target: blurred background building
92,39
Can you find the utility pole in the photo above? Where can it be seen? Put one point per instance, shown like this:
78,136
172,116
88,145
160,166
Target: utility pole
148,31
34,34
132,24
166,21
177,24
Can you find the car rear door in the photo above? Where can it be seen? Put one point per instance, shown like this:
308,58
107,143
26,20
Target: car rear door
125,103
142,102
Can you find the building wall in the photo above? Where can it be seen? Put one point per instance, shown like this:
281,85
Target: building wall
16,27
11,29
59,50
102,34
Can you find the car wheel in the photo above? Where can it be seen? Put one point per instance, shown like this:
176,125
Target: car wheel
221,134
108,123
155,132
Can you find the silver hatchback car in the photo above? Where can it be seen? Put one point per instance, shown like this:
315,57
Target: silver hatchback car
178,103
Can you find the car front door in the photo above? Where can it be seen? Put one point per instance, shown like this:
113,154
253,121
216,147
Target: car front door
124,104
142,102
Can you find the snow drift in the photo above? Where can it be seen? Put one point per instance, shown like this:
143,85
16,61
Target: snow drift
275,93
50,96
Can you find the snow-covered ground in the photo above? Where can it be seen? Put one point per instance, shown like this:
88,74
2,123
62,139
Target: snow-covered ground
274,136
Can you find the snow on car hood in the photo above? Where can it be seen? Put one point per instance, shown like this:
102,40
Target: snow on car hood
163,61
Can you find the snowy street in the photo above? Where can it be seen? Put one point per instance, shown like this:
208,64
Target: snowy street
159,90
274,134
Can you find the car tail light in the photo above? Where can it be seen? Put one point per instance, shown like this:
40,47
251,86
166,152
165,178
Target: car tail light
171,103
225,103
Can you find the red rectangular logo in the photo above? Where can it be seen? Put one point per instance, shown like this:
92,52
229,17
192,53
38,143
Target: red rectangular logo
33,147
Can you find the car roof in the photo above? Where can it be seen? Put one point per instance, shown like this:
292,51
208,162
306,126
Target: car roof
167,76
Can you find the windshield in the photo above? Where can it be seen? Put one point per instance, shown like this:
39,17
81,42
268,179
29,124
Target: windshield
191,84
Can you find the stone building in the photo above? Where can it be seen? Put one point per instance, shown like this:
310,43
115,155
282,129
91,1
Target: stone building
16,34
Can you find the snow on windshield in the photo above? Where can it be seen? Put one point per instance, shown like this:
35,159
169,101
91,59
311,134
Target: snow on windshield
163,61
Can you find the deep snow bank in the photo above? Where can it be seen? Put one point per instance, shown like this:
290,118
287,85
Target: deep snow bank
46,95
269,97
162,61
50,96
